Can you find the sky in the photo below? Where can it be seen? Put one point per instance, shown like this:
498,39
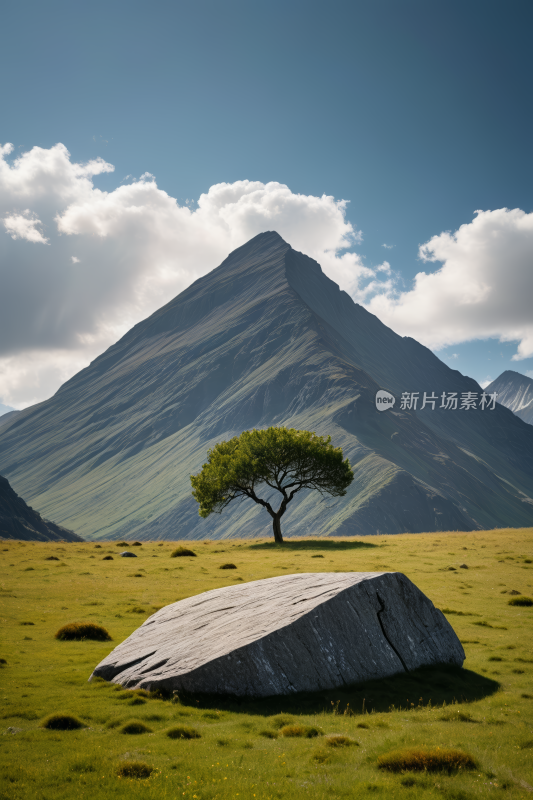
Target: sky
142,142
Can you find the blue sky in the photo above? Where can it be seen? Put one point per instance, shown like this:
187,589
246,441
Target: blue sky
417,113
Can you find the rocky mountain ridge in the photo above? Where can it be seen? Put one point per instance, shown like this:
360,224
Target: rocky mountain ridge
515,391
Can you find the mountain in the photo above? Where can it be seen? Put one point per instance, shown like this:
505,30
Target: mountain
8,416
515,391
266,339
19,521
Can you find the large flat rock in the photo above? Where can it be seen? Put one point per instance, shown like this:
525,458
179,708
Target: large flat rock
288,634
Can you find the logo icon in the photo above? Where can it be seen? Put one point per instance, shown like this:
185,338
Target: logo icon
384,400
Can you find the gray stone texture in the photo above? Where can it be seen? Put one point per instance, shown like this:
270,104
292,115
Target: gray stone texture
293,633
127,554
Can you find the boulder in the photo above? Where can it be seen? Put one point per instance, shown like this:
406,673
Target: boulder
289,634
127,554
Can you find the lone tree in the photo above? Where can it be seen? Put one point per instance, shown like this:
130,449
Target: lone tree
283,459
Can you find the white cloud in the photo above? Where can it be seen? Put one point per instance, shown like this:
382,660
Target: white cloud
483,289
23,226
137,248
388,246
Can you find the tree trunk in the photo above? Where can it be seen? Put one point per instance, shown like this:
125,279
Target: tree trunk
276,524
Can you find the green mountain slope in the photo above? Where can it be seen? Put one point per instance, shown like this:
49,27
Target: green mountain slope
265,339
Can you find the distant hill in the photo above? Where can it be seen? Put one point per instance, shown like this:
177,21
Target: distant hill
266,339
19,521
515,391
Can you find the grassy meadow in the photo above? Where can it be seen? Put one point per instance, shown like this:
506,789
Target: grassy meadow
333,744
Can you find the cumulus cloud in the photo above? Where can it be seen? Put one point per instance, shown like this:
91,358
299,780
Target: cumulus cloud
482,290
24,226
136,249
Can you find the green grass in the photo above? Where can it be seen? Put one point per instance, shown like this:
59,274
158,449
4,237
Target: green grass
484,710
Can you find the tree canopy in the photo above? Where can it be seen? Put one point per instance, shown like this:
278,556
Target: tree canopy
282,459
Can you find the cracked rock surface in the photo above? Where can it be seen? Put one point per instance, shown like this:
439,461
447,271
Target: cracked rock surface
288,634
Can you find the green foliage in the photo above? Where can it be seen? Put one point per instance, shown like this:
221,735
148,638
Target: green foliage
83,630
134,769
182,732
520,601
62,722
426,760
182,551
283,459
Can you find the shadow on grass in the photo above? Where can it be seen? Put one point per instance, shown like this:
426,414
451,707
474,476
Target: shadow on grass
311,544
427,686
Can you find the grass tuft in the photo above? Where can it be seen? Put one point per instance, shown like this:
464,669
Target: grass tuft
134,769
121,544
62,722
302,731
520,601
426,760
338,740
107,558
228,566
181,551
135,726
280,720
80,631
457,716
269,734
183,732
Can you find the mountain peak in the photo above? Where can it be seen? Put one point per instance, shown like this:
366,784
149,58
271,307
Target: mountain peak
265,339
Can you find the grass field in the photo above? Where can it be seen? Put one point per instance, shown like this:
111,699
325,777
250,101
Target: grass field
238,749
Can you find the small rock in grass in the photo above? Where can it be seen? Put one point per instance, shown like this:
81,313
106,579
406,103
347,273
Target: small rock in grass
463,566
127,554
